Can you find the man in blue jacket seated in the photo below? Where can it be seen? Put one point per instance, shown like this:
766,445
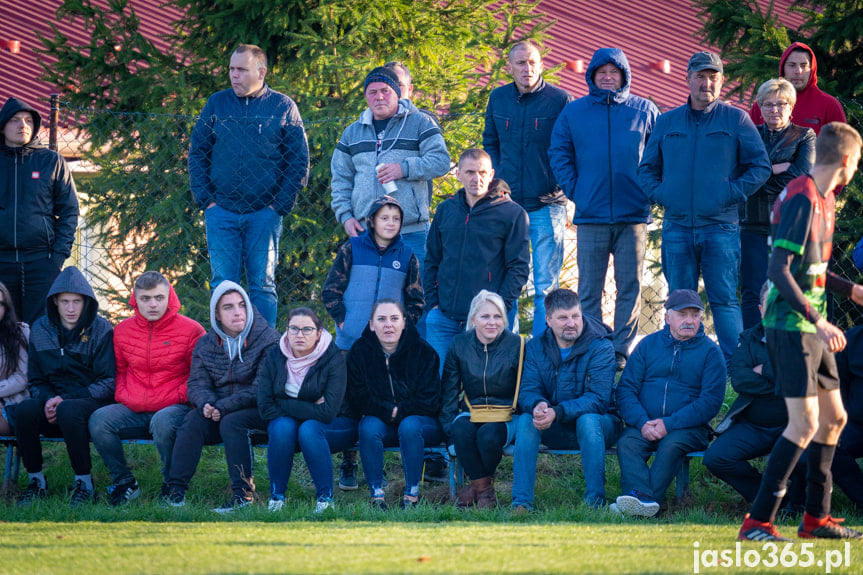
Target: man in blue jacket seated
248,159
704,158
596,145
672,386
565,395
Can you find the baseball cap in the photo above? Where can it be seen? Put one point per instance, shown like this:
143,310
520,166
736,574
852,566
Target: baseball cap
682,299
704,61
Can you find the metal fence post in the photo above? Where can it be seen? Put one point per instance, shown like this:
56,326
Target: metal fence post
55,115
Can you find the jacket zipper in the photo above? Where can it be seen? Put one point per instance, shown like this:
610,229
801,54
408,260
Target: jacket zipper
610,171
390,377
674,358
484,369
692,171
15,215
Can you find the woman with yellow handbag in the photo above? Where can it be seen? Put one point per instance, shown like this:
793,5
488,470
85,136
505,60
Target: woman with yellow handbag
480,390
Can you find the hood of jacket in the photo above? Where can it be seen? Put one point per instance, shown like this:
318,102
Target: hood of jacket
600,58
220,290
12,107
170,313
813,77
71,280
593,330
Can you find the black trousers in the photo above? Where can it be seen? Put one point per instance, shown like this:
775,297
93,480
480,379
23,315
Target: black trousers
28,284
72,417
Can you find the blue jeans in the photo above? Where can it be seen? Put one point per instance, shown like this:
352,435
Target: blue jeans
250,240
592,433
440,331
754,256
712,251
411,435
547,229
317,441
416,241
109,424
596,242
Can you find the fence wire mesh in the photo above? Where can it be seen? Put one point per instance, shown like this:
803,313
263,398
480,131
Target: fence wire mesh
138,212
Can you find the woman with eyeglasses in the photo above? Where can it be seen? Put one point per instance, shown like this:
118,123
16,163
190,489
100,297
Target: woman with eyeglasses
13,361
791,149
301,390
394,383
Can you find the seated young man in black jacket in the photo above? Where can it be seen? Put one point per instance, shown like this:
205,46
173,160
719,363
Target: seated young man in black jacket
71,373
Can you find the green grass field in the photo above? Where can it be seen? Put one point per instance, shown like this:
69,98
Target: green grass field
563,536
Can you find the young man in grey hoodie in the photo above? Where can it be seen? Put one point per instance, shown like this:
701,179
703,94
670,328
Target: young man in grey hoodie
223,395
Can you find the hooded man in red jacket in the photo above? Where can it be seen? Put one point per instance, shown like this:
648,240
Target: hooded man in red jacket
154,354
814,108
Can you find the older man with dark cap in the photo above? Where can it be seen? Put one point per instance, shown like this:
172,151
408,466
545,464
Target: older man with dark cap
672,386
393,149
701,161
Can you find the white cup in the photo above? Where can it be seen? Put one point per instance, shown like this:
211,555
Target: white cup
389,187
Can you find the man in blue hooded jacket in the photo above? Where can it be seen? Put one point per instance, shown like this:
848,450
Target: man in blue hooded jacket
596,145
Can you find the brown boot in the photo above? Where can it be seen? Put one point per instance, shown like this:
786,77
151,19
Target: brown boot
485,497
467,496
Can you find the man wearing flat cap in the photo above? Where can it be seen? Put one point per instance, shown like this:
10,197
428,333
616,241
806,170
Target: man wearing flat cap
392,149
702,160
672,386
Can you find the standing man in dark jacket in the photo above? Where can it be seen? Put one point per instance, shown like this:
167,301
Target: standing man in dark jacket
223,395
701,161
565,395
518,123
71,373
846,472
478,240
672,386
595,149
38,210
248,159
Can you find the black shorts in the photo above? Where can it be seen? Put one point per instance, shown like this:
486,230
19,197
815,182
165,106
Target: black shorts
802,363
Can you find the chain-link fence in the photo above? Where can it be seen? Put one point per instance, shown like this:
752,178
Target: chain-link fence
138,211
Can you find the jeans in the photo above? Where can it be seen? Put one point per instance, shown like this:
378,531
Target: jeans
234,429
28,284
728,456
109,424
633,451
317,441
411,435
416,241
713,251
440,331
71,425
250,240
627,243
846,471
547,229
478,446
754,256
592,433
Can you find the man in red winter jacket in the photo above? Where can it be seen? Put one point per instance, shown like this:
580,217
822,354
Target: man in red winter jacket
814,108
154,353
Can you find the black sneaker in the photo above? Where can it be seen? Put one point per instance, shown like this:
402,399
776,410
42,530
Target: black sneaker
81,495
237,501
175,498
348,476
123,493
435,468
408,503
33,493
619,361
378,503
827,528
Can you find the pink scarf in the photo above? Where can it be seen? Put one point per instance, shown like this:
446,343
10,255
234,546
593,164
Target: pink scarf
298,367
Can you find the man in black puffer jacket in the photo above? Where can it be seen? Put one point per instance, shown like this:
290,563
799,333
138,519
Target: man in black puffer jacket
38,210
223,395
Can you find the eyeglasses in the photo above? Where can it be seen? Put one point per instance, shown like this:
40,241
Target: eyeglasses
294,330
775,106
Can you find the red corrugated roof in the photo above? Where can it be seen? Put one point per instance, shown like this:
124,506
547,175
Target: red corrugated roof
648,31
21,19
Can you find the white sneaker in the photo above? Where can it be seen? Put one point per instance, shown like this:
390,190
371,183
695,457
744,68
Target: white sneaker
275,504
323,504
638,505
615,510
